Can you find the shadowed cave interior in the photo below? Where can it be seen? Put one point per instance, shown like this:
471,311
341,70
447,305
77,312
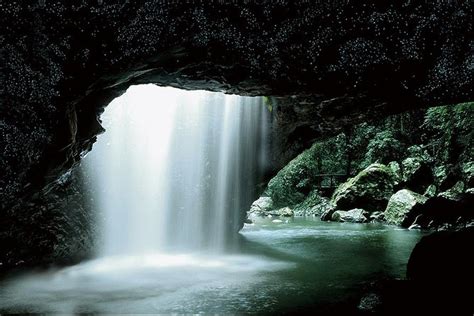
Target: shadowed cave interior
261,158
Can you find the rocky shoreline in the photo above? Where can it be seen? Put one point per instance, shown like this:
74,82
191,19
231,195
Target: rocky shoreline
406,176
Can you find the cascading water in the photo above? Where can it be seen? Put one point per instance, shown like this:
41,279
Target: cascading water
176,169
172,173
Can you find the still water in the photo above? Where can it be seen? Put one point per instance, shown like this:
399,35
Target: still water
297,266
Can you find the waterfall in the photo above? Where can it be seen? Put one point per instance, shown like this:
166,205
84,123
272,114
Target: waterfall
175,169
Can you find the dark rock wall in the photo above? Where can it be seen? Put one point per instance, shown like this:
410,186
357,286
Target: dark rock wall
330,63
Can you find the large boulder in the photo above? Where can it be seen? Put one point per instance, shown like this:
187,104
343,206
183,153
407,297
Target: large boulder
355,216
400,205
455,193
261,206
313,205
443,210
370,189
442,264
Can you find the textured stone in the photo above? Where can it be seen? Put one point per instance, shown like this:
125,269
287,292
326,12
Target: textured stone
353,216
371,188
455,193
261,206
401,204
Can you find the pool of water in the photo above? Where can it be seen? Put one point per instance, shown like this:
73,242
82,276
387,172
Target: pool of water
298,265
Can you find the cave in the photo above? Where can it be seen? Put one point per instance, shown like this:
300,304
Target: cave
292,157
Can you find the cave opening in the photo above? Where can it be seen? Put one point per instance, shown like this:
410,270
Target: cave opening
172,178
176,170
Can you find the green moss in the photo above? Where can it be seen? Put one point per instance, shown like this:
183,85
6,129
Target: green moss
369,189
268,102
295,181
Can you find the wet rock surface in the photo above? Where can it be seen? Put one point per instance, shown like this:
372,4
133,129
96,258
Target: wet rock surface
400,204
353,216
370,189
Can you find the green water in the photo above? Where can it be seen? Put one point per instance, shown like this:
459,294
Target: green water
299,266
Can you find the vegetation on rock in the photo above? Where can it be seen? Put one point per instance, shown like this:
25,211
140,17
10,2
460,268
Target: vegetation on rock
400,204
369,189
420,163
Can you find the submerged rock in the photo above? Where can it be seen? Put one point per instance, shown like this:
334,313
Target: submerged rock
354,216
369,189
401,204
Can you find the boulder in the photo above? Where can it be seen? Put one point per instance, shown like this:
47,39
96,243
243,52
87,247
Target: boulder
313,205
377,217
400,205
327,214
443,257
355,216
467,170
430,191
455,193
284,211
369,189
443,211
440,266
261,206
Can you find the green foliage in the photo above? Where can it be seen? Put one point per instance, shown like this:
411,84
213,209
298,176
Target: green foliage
449,132
269,103
383,148
291,185
441,135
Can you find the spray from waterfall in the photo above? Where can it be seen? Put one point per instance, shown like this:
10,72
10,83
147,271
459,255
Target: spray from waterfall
175,169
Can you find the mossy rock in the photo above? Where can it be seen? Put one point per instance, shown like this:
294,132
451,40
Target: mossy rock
370,189
401,204
295,181
261,207
313,205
